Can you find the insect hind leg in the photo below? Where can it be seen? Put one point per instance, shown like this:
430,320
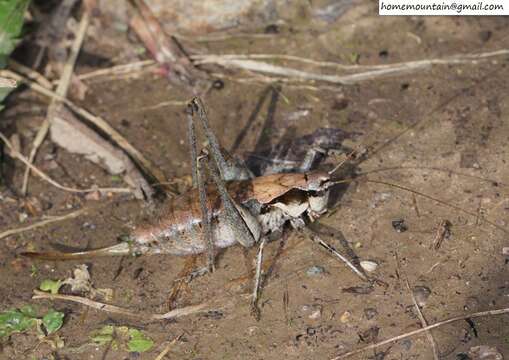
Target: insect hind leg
217,165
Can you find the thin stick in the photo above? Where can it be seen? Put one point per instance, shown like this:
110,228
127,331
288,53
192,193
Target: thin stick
424,323
167,348
7,83
118,69
245,62
95,120
62,89
71,215
38,140
30,73
373,71
222,37
173,314
424,329
454,59
16,154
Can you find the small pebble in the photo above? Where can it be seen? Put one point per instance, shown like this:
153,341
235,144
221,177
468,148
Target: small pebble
87,225
94,196
463,356
505,251
407,344
22,217
315,270
471,303
368,265
421,294
316,314
370,313
305,308
370,335
345,317
485,352
340,103
252,330
399,225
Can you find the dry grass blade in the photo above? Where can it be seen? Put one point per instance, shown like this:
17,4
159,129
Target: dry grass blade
419,312
38,140
42,223
167,348
247,62
454,59
62,89
7,83
42,175
422,330
424,323
118,69
97,121
29,73
173,314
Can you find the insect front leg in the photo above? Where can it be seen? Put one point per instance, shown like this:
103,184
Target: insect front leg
255,310
315,237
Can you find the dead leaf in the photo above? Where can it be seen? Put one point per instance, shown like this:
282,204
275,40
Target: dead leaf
77,138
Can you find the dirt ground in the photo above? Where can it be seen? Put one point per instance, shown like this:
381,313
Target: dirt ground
457,153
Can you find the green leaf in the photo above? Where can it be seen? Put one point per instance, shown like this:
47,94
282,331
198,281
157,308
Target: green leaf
20,320
139,342
116,178
13,321
33,269
51,285
103,336
11,22
53,321
29,311
122,336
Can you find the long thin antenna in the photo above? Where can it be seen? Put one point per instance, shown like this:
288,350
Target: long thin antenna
441,202
426,196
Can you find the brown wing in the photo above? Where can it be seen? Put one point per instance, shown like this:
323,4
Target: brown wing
185,209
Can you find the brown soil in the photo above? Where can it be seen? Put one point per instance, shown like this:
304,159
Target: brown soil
460,142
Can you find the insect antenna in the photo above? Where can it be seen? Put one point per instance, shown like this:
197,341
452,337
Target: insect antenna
363,177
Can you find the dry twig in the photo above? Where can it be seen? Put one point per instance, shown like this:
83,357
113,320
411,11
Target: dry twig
247,62
173,314
42,223
16,154
422,330
118,69
424,323
29,73
7,83
167,348
146,164
63,87
419,312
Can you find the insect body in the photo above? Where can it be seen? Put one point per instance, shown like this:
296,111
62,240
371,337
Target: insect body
234,208
266,204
